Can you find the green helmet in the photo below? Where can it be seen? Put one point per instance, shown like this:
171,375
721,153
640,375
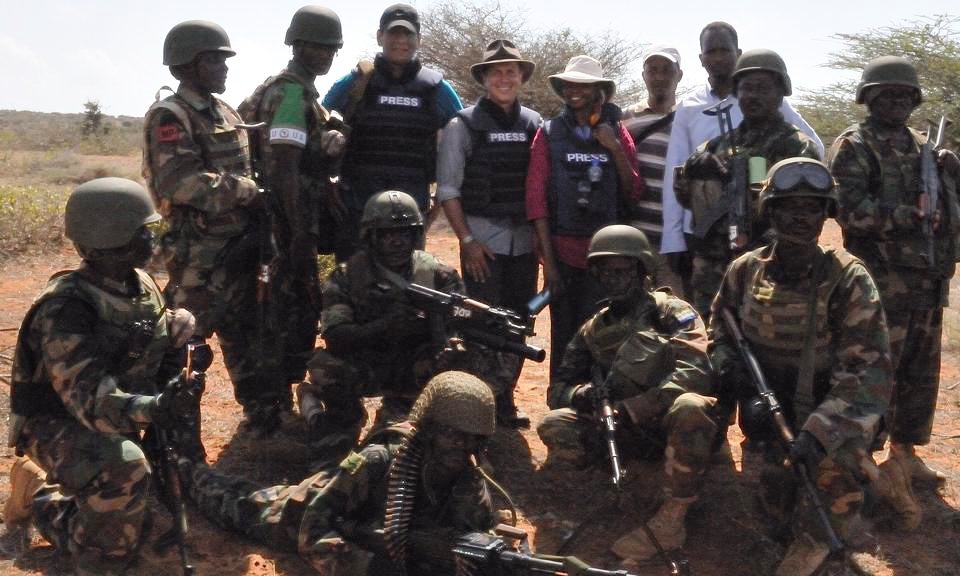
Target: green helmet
762,59
106,212
390,209
623,240
888,71
317,24
188,39
458,400
799,177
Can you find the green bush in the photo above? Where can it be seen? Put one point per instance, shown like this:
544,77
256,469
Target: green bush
30,218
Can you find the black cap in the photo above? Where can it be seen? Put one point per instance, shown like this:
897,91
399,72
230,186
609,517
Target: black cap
400,15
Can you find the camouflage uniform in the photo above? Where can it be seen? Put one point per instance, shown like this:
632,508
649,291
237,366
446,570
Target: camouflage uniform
337,519
196,163
711,254
879,183
80,401
288,104
359,292
851,381
658,358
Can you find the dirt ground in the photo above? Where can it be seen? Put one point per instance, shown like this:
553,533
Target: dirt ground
726,535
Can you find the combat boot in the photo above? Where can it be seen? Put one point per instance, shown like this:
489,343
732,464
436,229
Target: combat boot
917,468
803,557
667,526
893,486
25,479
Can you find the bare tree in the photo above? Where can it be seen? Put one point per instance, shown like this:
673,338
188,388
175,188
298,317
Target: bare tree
455,34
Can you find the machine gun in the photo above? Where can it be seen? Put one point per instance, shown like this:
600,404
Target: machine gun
737,199
604,411
930,179
489,554
164,456
766,404
474,321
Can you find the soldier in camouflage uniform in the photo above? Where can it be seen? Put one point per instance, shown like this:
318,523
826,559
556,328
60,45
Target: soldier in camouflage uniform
376,342
652,347
295,156
878,165
84,384
196,164
336,519
825,353
760,84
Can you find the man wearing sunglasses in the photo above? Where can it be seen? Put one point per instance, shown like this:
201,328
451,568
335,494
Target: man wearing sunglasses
813,318
396,506
885,173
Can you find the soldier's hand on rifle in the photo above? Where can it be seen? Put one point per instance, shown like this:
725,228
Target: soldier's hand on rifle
907,217
247,192
806,449
182,325
705,166
177,403
473,259
582,399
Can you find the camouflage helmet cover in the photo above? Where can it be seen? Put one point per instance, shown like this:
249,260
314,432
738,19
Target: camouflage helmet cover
762,59
622,240
317,24
187,40
390,209
889,71
106,212
458,400
799,177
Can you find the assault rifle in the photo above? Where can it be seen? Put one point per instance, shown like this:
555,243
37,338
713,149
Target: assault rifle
164,456
604,411
475,321
736,190
489,554
930,178
767,404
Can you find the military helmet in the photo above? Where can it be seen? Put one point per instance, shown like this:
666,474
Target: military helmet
317,24
106,212
799,177
762,59
187,40
390,209
458,400
889,71
623,240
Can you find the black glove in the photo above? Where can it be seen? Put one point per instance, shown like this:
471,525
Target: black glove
807,449
705,166
177,403
582,400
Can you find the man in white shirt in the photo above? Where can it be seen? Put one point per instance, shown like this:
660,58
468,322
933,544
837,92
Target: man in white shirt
691,127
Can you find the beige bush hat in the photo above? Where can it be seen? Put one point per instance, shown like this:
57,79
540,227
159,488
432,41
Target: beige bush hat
583,70
500,51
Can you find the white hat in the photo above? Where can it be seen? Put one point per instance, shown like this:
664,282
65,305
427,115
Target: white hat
582,70
671,54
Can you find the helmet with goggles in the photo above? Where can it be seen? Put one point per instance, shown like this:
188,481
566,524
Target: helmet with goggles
799,178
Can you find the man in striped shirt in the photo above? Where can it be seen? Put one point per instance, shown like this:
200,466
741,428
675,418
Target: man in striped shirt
649,123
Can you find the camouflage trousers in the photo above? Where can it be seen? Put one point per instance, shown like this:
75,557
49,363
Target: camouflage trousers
277,516
95,500
217,282
682,437
705,280
839,482
915,346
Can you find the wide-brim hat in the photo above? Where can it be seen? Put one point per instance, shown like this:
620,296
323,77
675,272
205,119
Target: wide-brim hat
498,52
583,70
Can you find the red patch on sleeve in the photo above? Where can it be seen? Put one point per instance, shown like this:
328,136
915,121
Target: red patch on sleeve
168,133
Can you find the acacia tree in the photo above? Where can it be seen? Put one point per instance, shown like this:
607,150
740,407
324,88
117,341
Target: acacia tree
455,34
92,118
932,44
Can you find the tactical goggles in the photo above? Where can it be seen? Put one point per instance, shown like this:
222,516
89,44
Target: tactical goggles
799,174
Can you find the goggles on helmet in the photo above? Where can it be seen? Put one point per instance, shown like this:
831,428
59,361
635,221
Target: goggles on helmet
802,173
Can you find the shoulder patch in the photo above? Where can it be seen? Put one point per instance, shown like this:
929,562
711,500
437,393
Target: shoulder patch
167,132
289,122
352,463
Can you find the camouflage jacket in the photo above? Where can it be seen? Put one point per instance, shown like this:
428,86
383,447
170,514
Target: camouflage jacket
878,186
853,374
351,505
658,351
194,162
774,142
75,356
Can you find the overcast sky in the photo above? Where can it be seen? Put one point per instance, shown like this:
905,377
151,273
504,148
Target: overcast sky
55,55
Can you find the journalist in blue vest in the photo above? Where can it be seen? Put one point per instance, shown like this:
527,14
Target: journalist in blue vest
396,108
481,173
583,176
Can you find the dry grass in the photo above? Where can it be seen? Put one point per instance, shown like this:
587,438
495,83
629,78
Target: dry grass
30,217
